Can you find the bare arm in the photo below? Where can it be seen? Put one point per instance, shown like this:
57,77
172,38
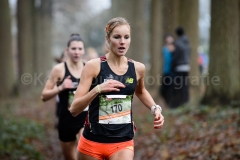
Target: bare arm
50,89
144,95
83,96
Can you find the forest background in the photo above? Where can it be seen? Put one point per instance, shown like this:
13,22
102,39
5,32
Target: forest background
34,32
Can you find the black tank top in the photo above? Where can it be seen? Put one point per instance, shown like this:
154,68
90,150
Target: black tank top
66,120
110,114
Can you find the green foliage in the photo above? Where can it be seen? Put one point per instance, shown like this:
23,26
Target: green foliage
18,136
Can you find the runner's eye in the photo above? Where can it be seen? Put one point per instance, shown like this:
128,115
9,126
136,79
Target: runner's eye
127,37
117,37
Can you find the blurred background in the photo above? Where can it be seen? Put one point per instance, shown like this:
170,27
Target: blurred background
34,32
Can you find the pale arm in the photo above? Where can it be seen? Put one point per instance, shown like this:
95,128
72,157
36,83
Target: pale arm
83,96
50,89
144,95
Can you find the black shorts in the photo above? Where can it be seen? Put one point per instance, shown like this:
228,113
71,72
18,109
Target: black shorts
68,134
68,128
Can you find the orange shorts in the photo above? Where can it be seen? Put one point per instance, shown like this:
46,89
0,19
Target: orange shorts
102,150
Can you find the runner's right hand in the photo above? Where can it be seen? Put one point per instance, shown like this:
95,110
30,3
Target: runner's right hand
111,85
67,83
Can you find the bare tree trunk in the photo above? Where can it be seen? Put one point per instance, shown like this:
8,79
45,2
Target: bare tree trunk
124,9
7,79
134,12
170,15
155,44
223,85
37,39
238,101
25,43
189,21
43,56
138,48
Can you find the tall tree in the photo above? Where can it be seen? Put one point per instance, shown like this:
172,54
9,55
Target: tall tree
134,12
7,79
170,15
223,84
73,15
25,43
188,19
155,42
37,36
43,33
239,31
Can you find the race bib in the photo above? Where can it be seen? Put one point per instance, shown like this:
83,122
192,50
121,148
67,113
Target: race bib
86,109
70,97
75,85
115,109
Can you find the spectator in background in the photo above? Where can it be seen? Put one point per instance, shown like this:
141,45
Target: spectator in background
202,61
166,87
181,68
91,54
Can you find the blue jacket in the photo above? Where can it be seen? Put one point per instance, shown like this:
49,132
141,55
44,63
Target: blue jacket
167,60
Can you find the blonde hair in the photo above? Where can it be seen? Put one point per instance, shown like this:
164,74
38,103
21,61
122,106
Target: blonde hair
114,23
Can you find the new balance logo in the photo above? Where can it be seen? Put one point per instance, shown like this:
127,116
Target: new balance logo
129,80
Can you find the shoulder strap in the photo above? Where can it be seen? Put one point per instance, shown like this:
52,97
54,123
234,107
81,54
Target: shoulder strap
129,60
66,69
103,58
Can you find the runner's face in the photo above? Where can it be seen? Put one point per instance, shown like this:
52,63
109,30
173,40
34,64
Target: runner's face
119,40
75,50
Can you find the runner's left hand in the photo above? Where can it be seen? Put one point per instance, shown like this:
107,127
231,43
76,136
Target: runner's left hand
158,120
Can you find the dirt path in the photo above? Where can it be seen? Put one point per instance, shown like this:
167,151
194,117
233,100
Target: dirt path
49,119
45,114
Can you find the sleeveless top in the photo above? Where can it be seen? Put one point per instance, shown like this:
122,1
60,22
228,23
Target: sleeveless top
66,120
110,114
